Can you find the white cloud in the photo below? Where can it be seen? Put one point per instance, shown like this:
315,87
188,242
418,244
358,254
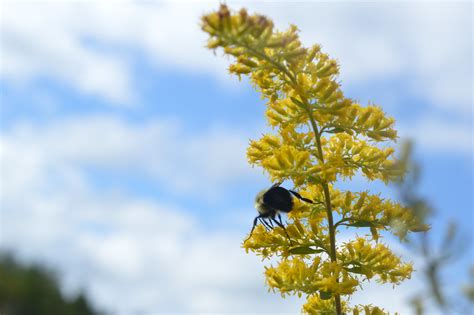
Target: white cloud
158,149
440,136
39,40
114,243
150,255
426,44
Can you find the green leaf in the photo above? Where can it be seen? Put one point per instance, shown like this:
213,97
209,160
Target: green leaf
325,295
336,130
362,223
304,250
356,269
315,179
297,102
420,228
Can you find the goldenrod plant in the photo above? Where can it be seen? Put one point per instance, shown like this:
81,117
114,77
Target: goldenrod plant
322,137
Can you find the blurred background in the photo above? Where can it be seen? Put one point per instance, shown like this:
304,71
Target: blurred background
122,150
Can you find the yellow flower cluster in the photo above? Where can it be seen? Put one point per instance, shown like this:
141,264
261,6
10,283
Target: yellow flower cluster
307,237
296,276
322,137
365,210
361,257
368,310
316,305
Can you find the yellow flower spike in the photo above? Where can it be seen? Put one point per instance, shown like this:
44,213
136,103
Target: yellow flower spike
322,138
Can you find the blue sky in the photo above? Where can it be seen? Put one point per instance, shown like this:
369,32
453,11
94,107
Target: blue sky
123,140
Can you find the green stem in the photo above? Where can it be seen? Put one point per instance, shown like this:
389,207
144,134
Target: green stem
327,197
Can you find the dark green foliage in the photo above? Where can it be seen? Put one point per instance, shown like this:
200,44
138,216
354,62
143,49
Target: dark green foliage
34,290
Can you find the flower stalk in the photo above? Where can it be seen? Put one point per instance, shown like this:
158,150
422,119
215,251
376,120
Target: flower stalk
321,137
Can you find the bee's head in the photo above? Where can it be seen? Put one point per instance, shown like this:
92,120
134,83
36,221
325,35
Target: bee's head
259,204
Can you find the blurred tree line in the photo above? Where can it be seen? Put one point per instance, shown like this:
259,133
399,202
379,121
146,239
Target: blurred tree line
34,290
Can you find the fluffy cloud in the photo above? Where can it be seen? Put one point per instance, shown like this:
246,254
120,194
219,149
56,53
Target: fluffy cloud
440,136
149,254
159,150
39,40
427,45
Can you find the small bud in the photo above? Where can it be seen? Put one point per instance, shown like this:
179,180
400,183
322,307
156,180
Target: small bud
295,53
321,85
239,69
299,227
314,226
362,119
312,53
212,20
275,42
361,200
392,134
243,15
246,61
265,35
214,43
328,69
223,12
234,51
348,200
328,92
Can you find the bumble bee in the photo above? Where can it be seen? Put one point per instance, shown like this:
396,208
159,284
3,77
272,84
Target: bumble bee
270,202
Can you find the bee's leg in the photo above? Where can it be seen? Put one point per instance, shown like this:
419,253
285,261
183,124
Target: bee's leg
279,217
253,227
276,184
283,227
265,224
299,197
270,223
